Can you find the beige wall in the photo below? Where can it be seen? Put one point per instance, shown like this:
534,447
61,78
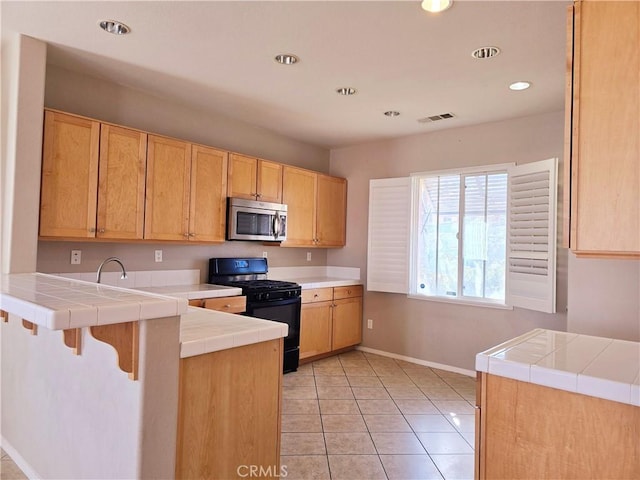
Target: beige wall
431,331
85,95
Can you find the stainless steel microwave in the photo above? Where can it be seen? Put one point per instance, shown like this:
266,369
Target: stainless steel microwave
254,220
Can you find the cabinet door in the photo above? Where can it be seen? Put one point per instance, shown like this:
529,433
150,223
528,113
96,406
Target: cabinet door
123,159
315,329
332,211
69,176
269,186
299,194
605,204
347,322
243,172
168,184
207,215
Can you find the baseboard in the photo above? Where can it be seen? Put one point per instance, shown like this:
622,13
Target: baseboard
18,460
462,371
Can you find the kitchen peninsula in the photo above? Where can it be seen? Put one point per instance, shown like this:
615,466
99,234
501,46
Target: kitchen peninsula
77,415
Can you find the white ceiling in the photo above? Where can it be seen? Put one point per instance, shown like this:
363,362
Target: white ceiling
219,56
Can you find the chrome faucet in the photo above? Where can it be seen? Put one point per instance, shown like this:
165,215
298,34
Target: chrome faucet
111,259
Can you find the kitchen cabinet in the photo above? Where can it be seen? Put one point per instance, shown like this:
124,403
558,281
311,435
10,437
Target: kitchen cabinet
602,148
316,215
236,304
93,178
524,431
330,320
229,410
185,197
254,179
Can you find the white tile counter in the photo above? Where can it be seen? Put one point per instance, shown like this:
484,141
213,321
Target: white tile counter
59,303
322,282
204,331
194,292
594,366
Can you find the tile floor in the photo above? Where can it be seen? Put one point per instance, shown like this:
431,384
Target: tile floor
361,416
364,416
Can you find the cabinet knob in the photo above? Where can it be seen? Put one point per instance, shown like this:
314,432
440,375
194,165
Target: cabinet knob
92,230
228,305
186,235
101,230
315,295
192,234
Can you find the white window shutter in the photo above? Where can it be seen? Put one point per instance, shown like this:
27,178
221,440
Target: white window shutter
531,239
389,235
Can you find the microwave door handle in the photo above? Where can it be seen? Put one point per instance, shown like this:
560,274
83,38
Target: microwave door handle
276,225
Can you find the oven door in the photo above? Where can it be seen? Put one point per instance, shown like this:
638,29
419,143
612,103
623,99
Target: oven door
285,311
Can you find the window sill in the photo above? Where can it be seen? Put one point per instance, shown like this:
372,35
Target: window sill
469,303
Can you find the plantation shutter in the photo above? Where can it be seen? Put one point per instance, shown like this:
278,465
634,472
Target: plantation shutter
531,240
389,235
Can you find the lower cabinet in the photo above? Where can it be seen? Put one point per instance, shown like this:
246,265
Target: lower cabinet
331,319
229,413
236,304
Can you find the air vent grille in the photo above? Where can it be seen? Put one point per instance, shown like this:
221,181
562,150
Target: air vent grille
485,52
435,118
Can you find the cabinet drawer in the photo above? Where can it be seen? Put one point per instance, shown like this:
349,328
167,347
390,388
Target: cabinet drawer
317,295
199,302
236,304
347,292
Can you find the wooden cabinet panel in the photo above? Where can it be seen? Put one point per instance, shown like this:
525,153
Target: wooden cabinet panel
207,210
332,211
269,181
315,329
121,183
242,176
229,411
605,129
347,292
299,194
168,186
347,322
317,295
69,176
236,304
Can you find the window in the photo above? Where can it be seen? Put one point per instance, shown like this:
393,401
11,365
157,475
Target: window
474,235
460,236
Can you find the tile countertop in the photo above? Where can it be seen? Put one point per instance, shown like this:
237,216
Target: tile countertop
59,303
204,331
594,366
322,282
194,292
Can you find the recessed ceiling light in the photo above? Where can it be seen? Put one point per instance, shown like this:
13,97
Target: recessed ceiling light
519,86
346,91
392,113
286,59
435,6
115,27
485,52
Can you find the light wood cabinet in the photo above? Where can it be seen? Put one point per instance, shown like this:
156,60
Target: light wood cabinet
121,183
93,179
526,431
236,304
254,179
69,186
330,320
316,215
185,191
602,147
229,412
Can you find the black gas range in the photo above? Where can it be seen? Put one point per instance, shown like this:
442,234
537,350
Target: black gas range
274,300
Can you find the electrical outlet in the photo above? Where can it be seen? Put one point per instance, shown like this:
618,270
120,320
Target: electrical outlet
308,256
264,254
158,255
76,257
370,324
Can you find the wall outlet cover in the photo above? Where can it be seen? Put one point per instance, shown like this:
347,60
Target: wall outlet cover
158,255
76,257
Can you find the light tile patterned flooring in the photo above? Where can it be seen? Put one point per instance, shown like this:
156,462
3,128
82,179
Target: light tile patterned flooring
364,416
360,416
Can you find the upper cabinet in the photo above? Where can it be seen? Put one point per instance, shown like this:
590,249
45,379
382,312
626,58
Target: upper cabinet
316,212
254,179
602,148
92,179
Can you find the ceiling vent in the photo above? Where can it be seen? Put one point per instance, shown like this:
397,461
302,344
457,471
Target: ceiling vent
485,52
436,118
